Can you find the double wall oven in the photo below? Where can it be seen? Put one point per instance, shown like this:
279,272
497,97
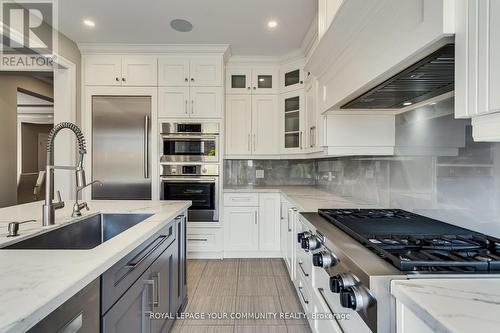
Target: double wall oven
190,167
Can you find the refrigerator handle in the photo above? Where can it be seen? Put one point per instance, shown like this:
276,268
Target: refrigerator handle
146,147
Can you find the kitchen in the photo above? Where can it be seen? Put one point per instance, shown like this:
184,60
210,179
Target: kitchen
296,166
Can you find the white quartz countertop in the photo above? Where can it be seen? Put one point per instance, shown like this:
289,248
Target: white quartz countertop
453,305
305,198
33,283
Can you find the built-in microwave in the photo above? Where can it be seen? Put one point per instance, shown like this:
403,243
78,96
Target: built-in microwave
198,183
190,142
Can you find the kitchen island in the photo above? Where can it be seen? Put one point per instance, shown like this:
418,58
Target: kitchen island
33,283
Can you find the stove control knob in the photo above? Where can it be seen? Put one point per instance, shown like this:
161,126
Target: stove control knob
324,259
302,235
311,243
342,281
356,298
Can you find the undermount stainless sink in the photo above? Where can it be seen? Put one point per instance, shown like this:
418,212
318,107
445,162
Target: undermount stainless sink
82,235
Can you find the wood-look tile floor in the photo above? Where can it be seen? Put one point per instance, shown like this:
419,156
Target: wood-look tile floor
240,286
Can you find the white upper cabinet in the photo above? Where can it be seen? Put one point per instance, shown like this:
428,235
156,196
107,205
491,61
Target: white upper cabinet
292,76
199,71
370,40
173,102
139,71
103,70
314,126
265,122
116,70
173,71
205,71
293,121
477,66
238,124
245,80
206,102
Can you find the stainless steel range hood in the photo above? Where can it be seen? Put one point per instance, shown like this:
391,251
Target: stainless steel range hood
431,76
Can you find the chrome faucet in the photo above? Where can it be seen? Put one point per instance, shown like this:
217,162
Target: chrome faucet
78,206
49,208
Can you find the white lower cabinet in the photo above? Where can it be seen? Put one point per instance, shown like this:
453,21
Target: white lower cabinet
408,322
204,242
252,227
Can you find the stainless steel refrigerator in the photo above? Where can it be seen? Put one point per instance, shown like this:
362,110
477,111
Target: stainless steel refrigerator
120,147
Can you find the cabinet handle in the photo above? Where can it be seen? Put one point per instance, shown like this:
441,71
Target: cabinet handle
322,294
186,108
248,144
192,79
74,325
148,250
117,79
254,142
302,295
123,79
300,139
152,284
198,239
302,269
192,106
255,217
157,294
254,88
186,79
249,88
288,222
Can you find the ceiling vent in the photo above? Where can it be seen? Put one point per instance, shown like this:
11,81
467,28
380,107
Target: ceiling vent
432,76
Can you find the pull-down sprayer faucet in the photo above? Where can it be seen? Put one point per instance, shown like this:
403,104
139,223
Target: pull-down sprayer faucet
50,207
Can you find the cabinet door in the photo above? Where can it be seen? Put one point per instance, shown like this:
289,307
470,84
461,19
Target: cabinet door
103,70
180,279
265,121
241,227
291,77
131,313
238,124
489,63
173,102
205,71
283,229
139,71
269,221
264,81
291,241
206,102
238,81
292,110
173,71
164,274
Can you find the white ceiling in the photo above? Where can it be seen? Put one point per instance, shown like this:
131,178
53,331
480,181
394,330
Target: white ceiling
240,23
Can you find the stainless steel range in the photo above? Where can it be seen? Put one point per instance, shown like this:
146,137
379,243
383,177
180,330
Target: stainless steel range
358,253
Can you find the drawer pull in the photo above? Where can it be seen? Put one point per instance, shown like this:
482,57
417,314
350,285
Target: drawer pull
74,325
198,239
148,250
322,294
302,295
241,199
302,269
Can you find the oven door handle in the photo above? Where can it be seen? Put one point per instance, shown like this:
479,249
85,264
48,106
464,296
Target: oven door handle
201,137
194,180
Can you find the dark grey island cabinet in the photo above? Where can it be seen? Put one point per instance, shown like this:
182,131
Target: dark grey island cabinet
156,293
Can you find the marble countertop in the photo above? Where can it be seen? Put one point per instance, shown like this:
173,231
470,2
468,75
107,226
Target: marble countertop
305,198
452,305
33,283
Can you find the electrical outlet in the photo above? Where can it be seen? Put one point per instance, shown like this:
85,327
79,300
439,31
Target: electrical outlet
259,173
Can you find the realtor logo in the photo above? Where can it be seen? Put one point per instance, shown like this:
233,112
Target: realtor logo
29,34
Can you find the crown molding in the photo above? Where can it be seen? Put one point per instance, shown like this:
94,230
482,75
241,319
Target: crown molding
310,39
114,48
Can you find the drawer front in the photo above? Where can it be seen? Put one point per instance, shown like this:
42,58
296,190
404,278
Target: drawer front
201,241
241,199
123,274
304,294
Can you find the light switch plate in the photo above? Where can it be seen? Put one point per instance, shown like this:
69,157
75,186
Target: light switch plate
259,173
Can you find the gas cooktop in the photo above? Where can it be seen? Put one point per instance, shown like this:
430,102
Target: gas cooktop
414,243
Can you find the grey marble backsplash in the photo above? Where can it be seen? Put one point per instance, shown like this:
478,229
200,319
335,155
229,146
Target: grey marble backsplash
438,171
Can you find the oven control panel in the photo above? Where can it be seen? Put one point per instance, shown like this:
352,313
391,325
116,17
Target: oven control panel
190,170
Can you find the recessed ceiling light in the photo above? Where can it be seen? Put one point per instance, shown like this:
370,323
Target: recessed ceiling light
407,103
272,24
181,25
89,23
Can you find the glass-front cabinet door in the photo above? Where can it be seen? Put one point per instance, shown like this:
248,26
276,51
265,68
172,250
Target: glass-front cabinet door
291,77
239,81
264,81
293,121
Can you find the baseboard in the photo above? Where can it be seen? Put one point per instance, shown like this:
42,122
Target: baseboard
252,254
206,255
